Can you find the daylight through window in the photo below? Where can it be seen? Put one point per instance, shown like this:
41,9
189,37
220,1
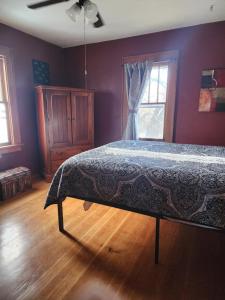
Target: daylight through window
152,109
4,104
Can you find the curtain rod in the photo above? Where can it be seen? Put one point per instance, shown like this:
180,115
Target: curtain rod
153,61
158,57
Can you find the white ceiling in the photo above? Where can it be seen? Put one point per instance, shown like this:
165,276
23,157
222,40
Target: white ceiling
123,18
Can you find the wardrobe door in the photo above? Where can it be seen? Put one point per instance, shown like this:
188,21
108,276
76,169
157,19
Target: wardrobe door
82,117
59,118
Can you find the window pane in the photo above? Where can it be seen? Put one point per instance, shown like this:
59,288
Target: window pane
151,121
3,96
145,94
1,87
1,80
154,84
4,136
163,75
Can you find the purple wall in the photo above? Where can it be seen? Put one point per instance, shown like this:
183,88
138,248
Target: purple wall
25,48
201,47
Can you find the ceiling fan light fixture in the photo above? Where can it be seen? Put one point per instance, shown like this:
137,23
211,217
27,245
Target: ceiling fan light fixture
73,12
90,10
92,19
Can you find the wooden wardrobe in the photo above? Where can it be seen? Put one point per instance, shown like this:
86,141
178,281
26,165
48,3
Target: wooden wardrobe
65,118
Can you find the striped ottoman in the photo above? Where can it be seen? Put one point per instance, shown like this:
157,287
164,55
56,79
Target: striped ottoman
14,181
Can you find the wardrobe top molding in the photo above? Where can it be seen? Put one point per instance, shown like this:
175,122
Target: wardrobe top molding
63,88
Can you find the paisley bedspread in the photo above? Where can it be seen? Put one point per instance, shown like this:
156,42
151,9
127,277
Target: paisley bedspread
173,180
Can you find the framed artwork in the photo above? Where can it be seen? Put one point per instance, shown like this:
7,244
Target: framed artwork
41,72
212,93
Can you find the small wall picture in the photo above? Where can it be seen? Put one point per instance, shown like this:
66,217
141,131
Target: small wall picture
212,93
40,72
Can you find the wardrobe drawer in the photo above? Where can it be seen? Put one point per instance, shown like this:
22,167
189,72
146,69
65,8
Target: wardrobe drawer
86,147
63,154
56,164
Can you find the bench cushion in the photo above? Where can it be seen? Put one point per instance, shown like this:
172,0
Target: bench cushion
14,181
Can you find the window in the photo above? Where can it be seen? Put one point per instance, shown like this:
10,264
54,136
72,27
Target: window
4,105
9,129
152,109
156,112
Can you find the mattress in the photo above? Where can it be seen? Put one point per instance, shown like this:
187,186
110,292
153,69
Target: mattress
185,182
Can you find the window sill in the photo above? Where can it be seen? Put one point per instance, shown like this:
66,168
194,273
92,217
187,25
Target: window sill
10,148
149,139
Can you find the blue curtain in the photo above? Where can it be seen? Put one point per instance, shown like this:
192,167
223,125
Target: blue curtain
137,75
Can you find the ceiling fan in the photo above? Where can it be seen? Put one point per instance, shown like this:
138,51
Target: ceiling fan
90,10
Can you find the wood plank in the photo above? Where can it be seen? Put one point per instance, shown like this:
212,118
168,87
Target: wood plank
110,254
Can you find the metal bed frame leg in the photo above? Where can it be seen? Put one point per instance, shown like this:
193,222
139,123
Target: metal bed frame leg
157,231
60,217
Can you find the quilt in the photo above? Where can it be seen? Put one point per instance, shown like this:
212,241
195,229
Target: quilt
179,181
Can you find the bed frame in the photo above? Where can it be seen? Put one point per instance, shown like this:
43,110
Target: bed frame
156,216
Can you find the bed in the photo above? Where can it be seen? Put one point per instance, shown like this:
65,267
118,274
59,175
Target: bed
185,183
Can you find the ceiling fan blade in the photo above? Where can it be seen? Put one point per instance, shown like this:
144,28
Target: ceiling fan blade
45,3
100,21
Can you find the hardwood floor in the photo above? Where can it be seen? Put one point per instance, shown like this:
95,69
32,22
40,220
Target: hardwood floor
109,255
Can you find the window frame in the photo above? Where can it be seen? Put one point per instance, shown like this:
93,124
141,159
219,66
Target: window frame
171,58
157,102
5,100
13,121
